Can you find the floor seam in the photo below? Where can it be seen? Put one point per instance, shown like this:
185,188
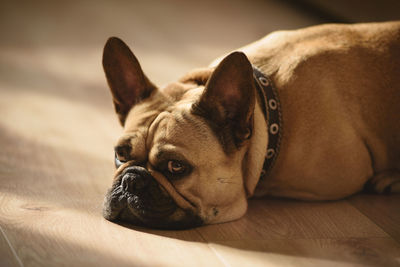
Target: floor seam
375,223
224,262
11,247
202,237
221,259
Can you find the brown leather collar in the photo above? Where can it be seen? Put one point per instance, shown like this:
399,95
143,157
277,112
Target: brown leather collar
272,113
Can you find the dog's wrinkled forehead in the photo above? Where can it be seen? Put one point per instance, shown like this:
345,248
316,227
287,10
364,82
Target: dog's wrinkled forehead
189,87
163,118
182,93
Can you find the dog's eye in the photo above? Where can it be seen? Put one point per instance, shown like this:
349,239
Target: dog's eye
121,154
176,167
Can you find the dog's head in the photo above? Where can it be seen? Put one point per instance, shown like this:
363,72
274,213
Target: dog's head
181,158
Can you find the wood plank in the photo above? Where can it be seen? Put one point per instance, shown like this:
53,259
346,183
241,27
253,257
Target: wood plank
7,255
47,234
384,210
310,252
280,218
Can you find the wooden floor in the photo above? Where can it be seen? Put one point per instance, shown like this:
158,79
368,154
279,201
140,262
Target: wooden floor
57,131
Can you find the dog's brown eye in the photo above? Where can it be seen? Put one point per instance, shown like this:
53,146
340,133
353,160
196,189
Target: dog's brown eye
175,167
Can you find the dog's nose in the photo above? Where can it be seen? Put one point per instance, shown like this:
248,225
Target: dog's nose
135,179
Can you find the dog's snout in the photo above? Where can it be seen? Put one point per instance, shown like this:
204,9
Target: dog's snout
135,179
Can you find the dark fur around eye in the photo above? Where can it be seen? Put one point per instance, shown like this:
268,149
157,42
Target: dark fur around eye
122,152
186,170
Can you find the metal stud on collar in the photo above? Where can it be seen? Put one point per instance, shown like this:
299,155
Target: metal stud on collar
270,153
274,128
263,81
272,104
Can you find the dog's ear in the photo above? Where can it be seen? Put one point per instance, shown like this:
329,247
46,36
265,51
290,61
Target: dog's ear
125,77
228,99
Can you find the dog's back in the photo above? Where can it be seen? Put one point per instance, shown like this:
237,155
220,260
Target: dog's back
340,93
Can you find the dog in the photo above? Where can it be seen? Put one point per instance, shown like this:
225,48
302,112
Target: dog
309,114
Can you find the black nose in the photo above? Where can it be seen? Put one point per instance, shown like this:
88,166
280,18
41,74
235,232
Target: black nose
135,179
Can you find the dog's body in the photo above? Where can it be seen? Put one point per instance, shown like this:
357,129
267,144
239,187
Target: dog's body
202,141
339,88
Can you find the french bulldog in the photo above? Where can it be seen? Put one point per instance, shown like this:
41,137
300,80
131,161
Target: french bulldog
309,114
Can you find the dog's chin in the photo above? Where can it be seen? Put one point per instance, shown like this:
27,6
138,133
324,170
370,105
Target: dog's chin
144,211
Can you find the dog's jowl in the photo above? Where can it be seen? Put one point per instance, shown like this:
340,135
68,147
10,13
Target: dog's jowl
311,114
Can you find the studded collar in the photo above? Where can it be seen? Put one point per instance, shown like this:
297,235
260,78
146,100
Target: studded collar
272,112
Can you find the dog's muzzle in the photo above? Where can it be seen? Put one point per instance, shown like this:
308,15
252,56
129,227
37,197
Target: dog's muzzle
137,198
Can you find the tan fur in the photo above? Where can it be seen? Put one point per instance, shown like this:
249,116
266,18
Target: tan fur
339,87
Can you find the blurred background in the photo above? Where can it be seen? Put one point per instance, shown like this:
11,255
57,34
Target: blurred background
64,39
